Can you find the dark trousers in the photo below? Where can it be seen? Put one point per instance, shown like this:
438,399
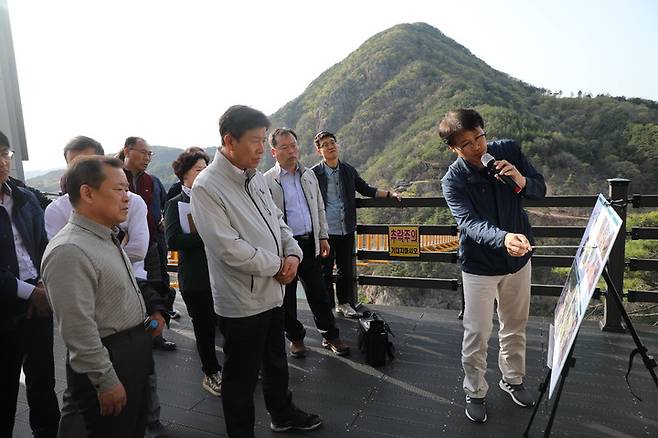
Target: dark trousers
342,249
204,321
249,344
132,359
309,273
155,265
29,345
162,256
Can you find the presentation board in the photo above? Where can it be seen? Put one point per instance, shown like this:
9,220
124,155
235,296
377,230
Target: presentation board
592,254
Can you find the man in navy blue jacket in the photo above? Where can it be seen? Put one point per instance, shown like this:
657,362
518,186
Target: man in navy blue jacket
26,331
339,183
494,252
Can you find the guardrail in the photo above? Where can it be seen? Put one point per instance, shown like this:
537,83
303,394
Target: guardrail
618,192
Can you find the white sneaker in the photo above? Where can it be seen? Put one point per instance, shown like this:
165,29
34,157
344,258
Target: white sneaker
213,383
346,310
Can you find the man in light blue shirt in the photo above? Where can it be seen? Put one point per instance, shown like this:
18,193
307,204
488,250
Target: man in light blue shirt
334,205
339,182
298,216
295,190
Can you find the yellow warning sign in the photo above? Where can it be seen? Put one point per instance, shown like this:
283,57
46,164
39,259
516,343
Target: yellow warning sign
403,241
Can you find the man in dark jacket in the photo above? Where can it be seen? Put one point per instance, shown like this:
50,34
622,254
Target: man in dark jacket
26,333
43,200
339,183
494,252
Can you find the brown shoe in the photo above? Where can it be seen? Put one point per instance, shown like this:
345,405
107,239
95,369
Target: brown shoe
297,349
337,346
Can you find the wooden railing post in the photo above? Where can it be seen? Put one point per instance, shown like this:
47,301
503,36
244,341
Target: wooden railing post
618,195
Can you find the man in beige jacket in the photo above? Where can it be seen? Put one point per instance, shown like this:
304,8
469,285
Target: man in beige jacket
296,192
251,257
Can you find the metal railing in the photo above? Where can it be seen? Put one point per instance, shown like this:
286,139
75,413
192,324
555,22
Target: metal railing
618,192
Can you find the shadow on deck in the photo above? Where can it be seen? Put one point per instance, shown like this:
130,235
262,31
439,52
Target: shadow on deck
419,394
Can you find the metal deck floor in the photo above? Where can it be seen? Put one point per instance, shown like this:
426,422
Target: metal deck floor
419,394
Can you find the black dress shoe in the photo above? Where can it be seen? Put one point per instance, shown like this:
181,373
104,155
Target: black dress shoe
174,314
162,344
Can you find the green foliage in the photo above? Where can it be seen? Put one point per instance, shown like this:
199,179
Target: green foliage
643,249
385,99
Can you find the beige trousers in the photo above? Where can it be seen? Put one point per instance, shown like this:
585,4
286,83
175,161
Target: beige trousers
512,291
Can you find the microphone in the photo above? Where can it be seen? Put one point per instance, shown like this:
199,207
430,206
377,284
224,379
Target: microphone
488,162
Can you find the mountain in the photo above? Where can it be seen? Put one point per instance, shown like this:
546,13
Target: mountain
160,166
384,101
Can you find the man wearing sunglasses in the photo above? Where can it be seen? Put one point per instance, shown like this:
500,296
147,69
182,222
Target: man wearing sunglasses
494,251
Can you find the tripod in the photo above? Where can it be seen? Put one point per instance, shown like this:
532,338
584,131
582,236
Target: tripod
649,361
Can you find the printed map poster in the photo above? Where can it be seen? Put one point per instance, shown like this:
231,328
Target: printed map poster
593,252
403,241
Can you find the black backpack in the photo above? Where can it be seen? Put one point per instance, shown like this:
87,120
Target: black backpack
373,339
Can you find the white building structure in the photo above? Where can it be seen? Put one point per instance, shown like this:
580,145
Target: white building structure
11,113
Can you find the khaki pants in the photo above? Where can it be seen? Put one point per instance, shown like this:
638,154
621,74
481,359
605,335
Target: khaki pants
512,291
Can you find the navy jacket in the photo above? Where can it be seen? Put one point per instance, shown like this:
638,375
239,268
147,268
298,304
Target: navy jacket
485,210
351,183
27,217
44,201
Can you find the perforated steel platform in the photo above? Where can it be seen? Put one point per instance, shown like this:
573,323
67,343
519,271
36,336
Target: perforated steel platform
419,394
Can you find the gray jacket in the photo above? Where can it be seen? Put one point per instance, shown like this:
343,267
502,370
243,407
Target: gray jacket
313,197
245,237
93,293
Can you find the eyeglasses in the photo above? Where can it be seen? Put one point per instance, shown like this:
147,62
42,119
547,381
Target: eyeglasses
143,152
470,143
7,155
328,143
286,147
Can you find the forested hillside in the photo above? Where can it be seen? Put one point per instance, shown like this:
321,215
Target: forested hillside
385,98
384,101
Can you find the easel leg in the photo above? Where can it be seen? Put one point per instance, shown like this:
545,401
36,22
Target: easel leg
570,362
649,361
542,390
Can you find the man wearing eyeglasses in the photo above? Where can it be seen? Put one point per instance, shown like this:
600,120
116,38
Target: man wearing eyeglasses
26,329
136,155
494,252
295,190
339,182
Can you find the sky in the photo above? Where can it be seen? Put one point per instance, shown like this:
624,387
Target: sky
166,70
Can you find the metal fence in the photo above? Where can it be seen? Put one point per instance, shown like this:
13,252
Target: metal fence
618,192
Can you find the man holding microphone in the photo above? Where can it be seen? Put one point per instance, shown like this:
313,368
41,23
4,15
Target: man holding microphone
484,193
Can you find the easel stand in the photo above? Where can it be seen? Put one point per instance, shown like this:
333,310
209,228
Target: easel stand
543,390
649,361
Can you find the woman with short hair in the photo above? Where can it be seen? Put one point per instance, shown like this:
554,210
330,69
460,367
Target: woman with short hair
193,279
